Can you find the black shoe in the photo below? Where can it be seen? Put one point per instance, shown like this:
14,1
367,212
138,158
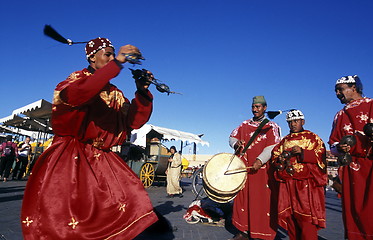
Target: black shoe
181,195
170,196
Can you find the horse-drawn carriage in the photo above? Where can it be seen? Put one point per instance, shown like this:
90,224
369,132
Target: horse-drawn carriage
146,154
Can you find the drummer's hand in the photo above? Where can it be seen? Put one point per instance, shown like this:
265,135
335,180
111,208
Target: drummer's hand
257,165
127,49
239,146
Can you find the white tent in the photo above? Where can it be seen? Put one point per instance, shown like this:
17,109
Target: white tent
32,117
138,136
40,109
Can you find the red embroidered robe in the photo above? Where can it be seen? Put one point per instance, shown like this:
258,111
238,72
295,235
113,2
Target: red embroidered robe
357,178
252,209
301,193
79,189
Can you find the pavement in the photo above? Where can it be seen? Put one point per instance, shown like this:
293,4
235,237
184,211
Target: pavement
172,209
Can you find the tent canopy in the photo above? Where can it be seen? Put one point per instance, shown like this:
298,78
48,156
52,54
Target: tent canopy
40,109
138,136
32,117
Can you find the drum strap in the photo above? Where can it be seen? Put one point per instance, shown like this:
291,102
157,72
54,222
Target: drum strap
261,125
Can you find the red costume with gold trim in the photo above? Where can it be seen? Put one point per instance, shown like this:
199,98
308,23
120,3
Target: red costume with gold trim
79,189
252,210
301,196
357,178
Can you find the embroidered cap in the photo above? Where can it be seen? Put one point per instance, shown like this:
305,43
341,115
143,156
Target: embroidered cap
96,45
348,79
294,114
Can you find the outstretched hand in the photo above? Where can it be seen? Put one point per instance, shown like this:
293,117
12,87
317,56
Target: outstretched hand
126,50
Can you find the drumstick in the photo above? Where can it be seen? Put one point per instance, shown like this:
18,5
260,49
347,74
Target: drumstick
234,171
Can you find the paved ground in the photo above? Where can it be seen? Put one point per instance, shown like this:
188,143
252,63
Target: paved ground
172,209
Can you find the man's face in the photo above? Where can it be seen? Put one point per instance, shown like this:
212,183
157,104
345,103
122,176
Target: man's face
296,125
27,140
344,93
102,57
258,110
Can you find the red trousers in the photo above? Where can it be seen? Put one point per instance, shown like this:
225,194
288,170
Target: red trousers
301,230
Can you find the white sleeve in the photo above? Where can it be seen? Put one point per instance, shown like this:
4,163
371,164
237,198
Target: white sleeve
232,141
266,154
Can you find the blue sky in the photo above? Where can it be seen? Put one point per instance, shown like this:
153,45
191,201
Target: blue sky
218,54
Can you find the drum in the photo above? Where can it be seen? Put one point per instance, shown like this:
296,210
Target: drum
218,185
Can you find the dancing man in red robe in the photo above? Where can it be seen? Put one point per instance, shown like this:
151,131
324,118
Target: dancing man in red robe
301,171
79,188
357,174
252,212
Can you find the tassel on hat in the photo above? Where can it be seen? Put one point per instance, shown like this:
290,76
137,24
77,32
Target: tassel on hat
50,32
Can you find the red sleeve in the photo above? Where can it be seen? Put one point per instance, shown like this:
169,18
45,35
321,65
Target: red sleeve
140,109
86,86
15,149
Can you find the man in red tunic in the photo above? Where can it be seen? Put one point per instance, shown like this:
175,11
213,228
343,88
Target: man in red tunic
252,212
301,171
356,176
79,188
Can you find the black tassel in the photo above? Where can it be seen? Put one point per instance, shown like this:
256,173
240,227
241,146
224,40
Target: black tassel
50,32
273,114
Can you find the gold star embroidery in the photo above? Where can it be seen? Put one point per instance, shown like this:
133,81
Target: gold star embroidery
73,223
74,76
97,156
27,221
122,207
114,99
298,167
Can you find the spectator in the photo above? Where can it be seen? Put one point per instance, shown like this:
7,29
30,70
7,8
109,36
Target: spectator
173,173
9,152
24,152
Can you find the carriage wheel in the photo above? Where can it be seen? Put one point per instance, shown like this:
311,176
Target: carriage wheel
197,184
147,174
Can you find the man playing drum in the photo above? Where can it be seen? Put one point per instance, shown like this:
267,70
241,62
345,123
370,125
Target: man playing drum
252,212
301,171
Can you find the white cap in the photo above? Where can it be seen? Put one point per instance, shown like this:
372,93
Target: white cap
294,115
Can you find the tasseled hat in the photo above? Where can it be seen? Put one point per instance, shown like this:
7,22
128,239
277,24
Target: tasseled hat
294,114
96,45
92,46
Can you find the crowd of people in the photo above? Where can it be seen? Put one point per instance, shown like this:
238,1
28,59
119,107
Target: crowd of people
15,158
286,177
